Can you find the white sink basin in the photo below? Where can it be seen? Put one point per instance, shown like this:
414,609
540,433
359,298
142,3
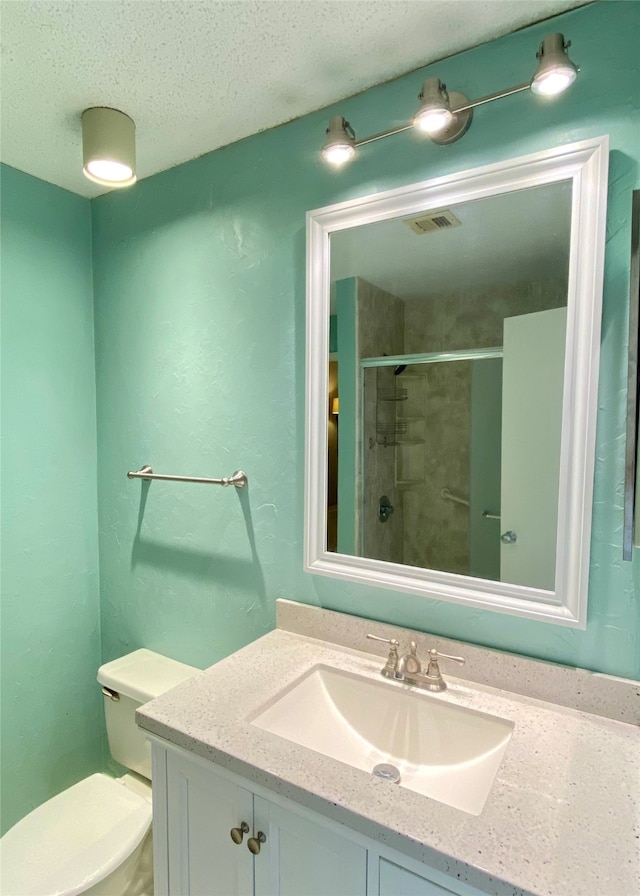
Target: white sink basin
443,751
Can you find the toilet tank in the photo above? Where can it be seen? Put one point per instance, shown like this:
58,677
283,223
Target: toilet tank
127,683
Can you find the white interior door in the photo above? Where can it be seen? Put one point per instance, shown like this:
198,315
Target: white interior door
533,375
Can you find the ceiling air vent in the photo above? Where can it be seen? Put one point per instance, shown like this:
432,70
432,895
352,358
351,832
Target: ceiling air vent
440,220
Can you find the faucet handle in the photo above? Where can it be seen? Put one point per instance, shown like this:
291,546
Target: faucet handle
432,679
392,641
436,655
391,666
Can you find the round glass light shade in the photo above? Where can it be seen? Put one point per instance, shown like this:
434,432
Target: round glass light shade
555,71
339,146
108,147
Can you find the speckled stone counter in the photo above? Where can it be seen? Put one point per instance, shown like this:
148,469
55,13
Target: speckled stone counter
562,817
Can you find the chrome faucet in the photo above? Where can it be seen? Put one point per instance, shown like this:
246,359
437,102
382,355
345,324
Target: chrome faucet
408,667
409,664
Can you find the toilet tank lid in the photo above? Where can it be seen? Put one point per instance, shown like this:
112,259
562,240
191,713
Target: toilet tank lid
143,674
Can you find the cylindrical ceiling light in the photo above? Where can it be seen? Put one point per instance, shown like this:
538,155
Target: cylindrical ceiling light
340,144
555,71
435,113
108,147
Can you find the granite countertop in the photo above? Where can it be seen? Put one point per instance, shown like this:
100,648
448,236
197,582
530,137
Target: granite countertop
562,817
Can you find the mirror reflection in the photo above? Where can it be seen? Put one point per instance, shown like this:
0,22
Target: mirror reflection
446,380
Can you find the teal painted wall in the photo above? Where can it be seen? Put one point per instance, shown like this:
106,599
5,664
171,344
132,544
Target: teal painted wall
200,308
50,649
194,376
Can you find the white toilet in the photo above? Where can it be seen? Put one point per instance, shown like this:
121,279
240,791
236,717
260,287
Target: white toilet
95,837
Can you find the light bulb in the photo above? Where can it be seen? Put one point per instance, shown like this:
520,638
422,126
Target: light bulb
105,170
433,120
338,153
554,81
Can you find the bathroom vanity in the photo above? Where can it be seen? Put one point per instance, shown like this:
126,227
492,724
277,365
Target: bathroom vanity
241,809
283,848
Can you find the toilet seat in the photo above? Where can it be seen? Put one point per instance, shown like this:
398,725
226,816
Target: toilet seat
75,840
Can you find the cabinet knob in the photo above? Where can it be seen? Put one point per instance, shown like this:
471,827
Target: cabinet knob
238,833
254,842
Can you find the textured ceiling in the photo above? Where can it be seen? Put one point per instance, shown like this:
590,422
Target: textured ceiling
198,75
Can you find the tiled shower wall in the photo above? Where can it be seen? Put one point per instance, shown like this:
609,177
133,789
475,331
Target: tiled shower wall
437,531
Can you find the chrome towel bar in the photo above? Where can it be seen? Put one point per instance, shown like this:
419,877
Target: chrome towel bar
239,479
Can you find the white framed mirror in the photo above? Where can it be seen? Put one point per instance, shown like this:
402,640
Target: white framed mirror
453,341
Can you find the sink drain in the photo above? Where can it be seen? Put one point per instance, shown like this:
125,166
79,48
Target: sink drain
387,772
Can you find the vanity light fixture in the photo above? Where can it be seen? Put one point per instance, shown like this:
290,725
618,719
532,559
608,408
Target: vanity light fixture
445,116
108,147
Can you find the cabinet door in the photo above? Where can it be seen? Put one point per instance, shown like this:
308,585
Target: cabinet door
202,809
302,858
397,881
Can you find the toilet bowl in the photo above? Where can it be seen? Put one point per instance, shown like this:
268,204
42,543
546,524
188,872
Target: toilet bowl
87,839
95,837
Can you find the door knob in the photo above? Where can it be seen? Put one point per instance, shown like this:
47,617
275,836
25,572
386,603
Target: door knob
254,842
509,537
237,834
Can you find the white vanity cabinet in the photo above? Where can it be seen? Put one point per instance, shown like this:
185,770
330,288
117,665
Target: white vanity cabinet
297,857
396,880
195,806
